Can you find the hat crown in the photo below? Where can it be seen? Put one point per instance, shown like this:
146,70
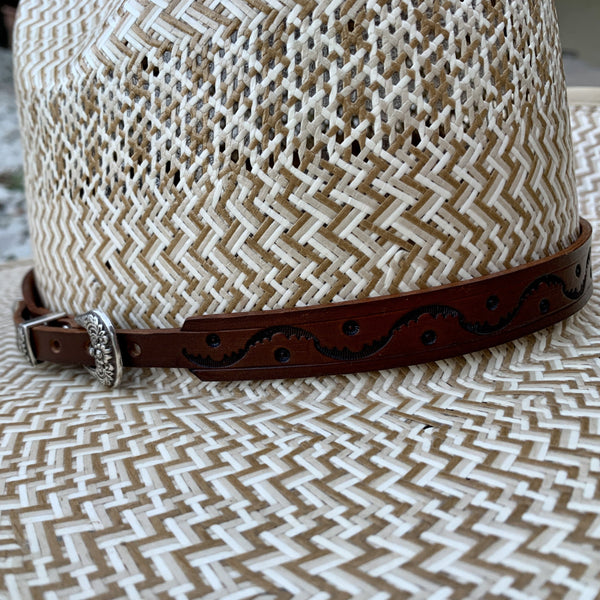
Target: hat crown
239,156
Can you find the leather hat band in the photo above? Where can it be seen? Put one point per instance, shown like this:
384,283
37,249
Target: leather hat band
344,337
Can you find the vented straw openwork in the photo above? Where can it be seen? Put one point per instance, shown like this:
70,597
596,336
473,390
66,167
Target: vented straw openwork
238,156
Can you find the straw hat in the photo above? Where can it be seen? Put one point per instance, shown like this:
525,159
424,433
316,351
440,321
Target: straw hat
186,158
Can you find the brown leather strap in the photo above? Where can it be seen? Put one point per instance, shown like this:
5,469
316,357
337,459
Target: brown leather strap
344,337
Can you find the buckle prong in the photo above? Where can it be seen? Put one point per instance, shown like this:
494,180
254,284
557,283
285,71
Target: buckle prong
24,334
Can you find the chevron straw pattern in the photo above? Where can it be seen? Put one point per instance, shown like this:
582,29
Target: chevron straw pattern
187,157
470,478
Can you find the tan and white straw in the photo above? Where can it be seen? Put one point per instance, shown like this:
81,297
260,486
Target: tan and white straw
186,157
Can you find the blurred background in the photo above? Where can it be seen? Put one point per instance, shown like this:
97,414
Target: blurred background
579,29
579,22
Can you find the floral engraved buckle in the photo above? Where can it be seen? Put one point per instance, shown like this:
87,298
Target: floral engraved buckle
24,335
104,347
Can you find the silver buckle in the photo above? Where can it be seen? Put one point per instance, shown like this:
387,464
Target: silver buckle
104,347
24,335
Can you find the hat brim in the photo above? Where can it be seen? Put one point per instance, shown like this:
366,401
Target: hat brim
472,476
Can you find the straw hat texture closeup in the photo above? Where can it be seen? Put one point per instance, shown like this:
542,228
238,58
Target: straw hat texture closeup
236,158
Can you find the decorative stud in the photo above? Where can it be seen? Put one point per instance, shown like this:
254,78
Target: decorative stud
350,328
429,337
213,340
282,355
493,302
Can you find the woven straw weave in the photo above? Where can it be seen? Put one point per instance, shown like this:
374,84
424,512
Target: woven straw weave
186,157
476,477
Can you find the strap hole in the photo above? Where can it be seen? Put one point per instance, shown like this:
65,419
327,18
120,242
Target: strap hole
134,350
55,347
282,355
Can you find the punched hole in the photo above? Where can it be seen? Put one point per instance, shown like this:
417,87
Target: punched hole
55,347
282,355
213,340
135,350
429,337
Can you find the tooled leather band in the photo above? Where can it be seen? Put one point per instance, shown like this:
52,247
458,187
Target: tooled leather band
345,337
